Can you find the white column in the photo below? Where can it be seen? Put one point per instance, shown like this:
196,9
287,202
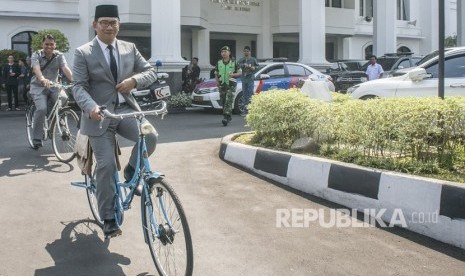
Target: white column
384,27
460,23
265,39
201,49
312,32
166,34
201,46
429,24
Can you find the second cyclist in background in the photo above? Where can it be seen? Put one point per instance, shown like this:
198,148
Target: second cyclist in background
46,64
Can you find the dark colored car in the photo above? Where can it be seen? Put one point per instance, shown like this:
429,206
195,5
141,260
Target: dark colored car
393,62
389,62
346,73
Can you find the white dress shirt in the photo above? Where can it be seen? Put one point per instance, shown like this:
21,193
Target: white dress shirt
106,52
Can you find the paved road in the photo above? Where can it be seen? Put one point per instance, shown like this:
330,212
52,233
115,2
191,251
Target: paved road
46,230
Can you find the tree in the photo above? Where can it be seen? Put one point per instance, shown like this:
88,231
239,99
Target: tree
60,39
450,41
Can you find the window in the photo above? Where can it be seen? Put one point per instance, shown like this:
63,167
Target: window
296,70
366,8
403,49
404,64
454,67
275,71
22,42
333,3
403,9
368,51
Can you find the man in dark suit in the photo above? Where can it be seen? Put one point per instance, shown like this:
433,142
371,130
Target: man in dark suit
105,71
11,72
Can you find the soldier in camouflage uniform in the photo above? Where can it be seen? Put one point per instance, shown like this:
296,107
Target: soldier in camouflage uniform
226,70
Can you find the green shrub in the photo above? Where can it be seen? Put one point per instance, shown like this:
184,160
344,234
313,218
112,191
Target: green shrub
279,117
423,135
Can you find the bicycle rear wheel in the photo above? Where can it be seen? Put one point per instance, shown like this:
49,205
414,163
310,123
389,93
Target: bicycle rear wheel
166,230
30,110
64,133
91,188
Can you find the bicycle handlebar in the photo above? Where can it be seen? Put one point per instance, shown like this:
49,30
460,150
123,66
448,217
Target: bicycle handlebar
59,85
107,114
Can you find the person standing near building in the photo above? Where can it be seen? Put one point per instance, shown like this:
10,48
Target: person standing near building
24,79
248,67
226,70
105,71
11,72
191,74
374,70
46,64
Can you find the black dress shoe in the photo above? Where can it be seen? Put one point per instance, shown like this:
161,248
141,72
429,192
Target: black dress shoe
128,172
111,228
36,143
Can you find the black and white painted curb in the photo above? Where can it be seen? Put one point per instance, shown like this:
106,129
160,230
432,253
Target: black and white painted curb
361,188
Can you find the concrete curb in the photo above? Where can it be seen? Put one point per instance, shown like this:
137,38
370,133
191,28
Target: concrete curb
431,207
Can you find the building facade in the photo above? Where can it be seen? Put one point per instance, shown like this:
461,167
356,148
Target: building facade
309,31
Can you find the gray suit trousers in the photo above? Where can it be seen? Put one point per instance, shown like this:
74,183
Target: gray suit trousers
104,152
41,102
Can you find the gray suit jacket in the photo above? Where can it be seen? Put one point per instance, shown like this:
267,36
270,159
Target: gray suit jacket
94,83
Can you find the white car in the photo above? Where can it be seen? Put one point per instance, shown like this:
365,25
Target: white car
276,75
421,81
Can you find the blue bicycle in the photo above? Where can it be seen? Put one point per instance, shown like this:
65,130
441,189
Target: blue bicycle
164,222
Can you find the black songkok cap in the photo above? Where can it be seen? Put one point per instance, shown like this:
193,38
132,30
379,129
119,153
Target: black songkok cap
106,11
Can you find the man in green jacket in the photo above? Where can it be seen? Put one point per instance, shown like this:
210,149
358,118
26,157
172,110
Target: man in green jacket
226,70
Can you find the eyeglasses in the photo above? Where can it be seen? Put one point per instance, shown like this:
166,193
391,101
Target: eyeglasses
105,23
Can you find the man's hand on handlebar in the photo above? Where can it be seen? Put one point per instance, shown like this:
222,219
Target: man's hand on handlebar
45,82
95,114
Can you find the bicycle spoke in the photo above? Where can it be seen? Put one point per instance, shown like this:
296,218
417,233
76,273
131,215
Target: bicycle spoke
64,135
172,249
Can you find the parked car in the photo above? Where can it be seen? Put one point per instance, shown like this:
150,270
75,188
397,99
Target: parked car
274,75
389,62
421,81
392,62
402,71
346,73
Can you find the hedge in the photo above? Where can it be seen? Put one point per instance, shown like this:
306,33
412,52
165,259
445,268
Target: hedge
416,130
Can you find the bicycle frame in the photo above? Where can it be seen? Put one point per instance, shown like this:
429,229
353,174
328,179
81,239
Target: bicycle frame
48,123
141,176
142,173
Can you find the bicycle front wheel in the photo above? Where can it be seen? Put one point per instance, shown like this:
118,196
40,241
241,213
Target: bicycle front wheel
91,189
30,123
166,230
64,134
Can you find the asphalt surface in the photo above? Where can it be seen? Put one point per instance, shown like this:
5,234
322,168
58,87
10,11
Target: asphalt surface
46,226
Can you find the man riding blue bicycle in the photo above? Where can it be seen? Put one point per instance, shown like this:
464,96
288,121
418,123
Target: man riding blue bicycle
105,71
